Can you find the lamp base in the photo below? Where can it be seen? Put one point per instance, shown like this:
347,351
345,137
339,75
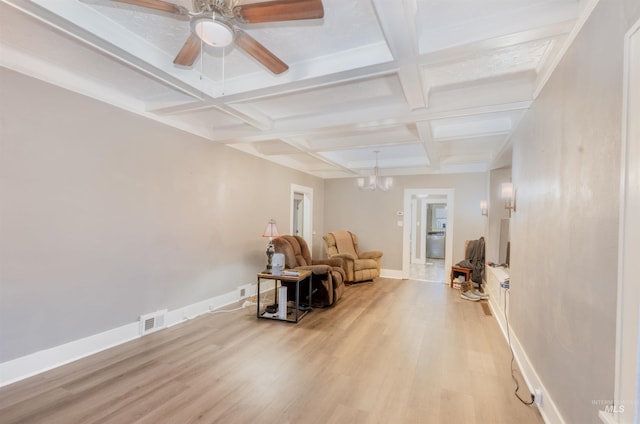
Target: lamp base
270,252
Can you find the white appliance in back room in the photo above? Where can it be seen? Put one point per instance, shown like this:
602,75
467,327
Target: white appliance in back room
436,230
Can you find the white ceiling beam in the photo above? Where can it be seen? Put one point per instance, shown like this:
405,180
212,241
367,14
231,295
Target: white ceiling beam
342,121
399,31
430,146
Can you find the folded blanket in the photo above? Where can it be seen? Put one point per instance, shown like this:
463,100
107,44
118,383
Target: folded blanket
344,243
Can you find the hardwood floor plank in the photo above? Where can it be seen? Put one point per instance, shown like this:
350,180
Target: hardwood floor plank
391,351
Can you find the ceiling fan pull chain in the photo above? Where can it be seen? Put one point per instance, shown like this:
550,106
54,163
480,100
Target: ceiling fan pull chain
223,61
201,59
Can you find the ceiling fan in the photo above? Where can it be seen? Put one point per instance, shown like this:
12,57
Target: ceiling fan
213,22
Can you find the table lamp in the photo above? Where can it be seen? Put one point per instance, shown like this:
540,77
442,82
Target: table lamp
271,231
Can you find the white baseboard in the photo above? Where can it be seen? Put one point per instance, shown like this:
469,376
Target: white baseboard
547,408
45,360
607,418
391,273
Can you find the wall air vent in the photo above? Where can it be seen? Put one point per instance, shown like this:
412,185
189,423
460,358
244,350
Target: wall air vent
152,322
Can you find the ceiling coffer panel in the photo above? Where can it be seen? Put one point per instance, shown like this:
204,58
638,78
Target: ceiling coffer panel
275,147
363,137
332,98
488,64
463,127
213,118
388,157
457,151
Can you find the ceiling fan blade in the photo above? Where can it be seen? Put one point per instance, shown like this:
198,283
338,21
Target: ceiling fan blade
279,10
157,5
189,51
260,52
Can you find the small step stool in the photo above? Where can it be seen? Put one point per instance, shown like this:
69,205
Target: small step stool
458,270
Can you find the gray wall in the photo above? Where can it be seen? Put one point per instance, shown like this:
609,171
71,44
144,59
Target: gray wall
372,214
106,215
566,167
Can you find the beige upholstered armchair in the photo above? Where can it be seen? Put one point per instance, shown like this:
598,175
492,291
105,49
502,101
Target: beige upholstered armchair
327,277
358,266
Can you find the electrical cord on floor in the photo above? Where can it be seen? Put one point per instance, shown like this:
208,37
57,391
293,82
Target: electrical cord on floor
224,311
246,305
513,356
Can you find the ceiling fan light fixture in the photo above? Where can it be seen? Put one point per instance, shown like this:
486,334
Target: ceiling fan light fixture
213,31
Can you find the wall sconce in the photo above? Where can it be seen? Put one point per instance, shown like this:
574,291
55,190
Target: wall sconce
508,193
484,208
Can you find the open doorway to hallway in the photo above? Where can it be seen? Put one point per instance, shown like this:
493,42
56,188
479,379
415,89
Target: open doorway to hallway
302,213
431,271
428,234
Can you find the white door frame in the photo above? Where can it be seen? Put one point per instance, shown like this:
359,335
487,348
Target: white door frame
626,408
406,234
307,227
415,227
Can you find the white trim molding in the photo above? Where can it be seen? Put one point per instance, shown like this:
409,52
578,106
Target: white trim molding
625,408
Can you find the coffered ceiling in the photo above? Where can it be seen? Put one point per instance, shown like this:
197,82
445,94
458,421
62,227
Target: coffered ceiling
436,86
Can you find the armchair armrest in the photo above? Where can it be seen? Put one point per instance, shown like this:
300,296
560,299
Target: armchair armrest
333,262
340,271
373,254
316,269
347,256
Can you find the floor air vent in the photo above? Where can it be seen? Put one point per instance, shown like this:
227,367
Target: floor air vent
152,322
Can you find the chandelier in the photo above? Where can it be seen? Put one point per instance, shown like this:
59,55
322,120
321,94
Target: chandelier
375,181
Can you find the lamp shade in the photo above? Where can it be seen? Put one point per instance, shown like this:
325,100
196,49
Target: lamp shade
271,230
506,191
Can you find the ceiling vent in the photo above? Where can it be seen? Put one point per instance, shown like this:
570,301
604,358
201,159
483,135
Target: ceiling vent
152,322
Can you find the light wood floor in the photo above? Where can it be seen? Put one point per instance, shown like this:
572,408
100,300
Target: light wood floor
389,352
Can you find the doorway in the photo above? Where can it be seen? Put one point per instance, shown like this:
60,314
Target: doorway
298,214
427,240
428,236
302,213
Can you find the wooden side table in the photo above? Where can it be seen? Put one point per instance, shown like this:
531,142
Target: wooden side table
458,270
303,276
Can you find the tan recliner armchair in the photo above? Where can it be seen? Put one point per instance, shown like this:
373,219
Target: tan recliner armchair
358,266
327,277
